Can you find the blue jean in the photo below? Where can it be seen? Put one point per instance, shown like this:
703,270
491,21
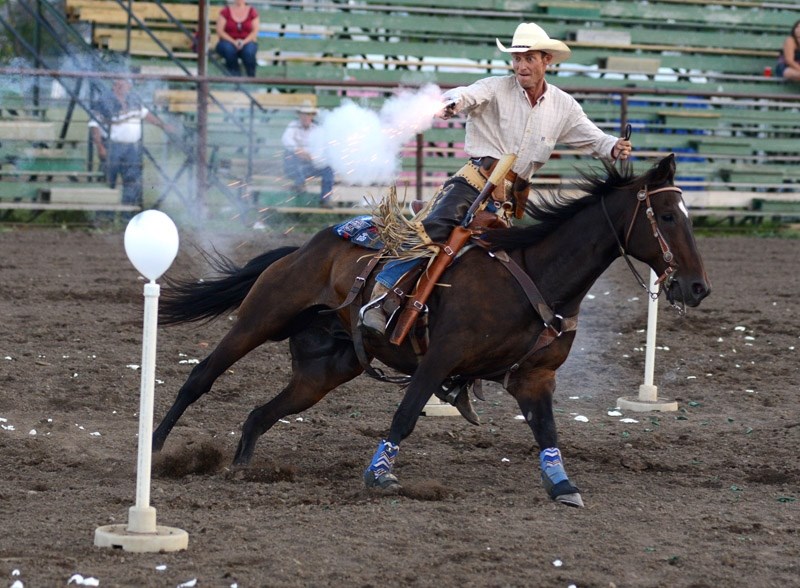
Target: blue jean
231,55
395,269
298,170
125,159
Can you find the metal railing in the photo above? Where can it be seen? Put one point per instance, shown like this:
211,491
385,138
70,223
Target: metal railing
195,147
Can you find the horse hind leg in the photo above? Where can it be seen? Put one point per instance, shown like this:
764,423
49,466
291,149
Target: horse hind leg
237,343
198,383
321,361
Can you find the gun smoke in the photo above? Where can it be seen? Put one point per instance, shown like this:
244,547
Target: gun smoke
363,146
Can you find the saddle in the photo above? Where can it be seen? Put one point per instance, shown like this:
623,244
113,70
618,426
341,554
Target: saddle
412,287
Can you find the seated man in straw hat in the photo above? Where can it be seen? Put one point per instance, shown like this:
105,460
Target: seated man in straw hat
518,114
298,164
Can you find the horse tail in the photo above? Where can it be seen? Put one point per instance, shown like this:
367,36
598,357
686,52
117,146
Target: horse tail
185,301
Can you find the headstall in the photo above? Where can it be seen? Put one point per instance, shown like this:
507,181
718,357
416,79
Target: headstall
643,196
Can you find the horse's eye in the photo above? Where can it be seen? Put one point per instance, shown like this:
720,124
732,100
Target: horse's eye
668,217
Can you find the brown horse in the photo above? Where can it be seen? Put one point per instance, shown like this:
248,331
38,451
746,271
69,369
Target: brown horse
487,325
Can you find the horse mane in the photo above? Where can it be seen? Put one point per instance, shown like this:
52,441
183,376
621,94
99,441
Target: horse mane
551,212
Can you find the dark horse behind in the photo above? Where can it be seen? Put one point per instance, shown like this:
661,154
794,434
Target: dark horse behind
484,326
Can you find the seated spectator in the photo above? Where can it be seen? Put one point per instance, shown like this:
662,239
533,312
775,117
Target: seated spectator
298,164
237,29
789,59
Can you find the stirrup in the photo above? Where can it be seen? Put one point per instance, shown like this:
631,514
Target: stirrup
375,303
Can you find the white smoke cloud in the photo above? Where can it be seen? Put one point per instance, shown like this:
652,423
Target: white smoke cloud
363,146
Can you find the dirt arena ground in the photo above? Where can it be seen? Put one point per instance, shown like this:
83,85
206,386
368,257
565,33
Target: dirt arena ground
706,496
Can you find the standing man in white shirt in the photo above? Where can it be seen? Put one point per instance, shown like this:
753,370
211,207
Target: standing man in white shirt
298,163
117,135
518,114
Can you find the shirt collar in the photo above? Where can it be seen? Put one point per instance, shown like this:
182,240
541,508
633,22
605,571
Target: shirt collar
525,94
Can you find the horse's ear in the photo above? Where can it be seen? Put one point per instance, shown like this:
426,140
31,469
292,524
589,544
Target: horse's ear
665,171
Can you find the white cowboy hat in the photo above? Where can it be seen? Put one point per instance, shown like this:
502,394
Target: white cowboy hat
531,37
307,108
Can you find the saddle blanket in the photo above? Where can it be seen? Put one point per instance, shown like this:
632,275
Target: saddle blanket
361,231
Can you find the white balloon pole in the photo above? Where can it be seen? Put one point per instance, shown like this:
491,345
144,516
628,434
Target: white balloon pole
151,242
648,393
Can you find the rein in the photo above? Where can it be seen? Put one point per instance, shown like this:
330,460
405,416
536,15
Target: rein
644,196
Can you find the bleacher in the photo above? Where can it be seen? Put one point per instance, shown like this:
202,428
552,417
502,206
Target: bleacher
42,170
693,74
171,24
718,44
735,145
721,46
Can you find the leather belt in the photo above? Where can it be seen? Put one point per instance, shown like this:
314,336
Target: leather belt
516,188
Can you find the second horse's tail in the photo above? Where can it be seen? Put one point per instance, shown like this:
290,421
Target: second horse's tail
185,301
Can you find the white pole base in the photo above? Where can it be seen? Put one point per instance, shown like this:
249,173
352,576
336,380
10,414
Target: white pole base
638,405
436,407
163,539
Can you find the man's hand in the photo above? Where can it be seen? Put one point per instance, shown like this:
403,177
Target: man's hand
449,111
101,152
621,149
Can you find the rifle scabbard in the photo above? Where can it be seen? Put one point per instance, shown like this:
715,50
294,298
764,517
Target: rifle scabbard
408,316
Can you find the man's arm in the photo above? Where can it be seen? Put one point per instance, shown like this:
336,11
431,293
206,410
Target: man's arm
467,97
97,139
154,120
581,133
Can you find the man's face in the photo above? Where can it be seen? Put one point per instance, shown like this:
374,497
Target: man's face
529,67
121,88
306,119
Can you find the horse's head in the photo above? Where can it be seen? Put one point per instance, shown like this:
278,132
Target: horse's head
659,233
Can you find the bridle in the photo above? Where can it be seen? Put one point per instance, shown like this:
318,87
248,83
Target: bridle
643,196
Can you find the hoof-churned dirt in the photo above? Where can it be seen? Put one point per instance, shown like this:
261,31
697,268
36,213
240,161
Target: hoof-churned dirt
706,496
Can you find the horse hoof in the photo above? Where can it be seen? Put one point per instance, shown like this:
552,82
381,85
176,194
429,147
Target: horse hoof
574,500
563,492
386,483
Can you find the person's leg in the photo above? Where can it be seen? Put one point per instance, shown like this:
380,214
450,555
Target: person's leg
131,171
791,73
248,56
452,203
227,51
112,164
326,175
373,316
295,171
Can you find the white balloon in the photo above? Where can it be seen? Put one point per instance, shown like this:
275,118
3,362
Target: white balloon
151,242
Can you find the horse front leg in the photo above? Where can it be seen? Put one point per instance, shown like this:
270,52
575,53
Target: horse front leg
534,394
426,379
